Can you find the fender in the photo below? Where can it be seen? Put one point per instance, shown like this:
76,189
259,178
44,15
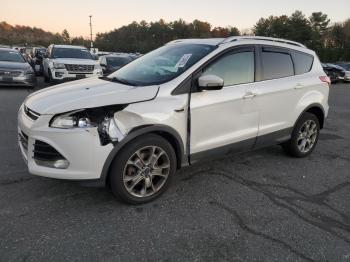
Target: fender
180,153
317,105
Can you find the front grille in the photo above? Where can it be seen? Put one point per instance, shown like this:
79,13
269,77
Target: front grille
31,114
45,152
23,139
80,68
10,73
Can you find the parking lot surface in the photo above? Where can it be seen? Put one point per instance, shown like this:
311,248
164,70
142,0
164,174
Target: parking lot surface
256,206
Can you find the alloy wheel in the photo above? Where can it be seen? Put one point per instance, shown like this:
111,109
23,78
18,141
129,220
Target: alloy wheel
307,136
146,171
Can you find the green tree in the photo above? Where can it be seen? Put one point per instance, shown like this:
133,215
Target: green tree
65,36
320,26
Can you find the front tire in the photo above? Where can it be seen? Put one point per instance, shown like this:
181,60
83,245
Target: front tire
142,170
304,136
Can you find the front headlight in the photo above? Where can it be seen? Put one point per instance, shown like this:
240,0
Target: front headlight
59,65
101,118
98,66
28,71
76,119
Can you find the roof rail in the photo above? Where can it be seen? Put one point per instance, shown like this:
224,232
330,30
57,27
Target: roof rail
263,38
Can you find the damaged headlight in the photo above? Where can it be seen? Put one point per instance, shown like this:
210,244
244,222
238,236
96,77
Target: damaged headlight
100,118
72,120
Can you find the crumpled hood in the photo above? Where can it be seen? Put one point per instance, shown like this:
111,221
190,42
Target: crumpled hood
74,61
86,93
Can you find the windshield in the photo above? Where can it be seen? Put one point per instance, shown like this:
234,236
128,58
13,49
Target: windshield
71,53
10,56
162,64
118,61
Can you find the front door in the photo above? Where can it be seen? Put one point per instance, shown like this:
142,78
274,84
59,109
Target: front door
226,120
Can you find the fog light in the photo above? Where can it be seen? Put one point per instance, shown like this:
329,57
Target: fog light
61,164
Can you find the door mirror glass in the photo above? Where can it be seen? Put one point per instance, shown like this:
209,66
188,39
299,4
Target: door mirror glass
210,82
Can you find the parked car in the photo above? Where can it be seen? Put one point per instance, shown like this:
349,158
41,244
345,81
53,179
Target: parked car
67,62
134,128
346,67
36,59
111,63
335,73
15,70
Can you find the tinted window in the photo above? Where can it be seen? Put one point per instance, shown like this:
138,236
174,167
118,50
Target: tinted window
162,64
276,65
71,53
11,56
302,62
236,68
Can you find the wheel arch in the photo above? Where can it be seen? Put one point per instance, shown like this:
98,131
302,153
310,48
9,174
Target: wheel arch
168,133
316,109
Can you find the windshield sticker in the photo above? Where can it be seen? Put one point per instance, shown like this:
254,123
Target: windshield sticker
183,60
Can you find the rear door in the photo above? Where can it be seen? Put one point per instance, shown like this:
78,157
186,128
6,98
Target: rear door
283,80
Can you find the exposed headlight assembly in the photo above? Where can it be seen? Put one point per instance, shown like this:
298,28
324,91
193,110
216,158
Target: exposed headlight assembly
109,132
100,118
72,120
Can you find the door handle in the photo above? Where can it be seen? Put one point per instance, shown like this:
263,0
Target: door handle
249,95
298,86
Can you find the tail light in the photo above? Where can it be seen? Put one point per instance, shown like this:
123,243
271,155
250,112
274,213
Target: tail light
326,79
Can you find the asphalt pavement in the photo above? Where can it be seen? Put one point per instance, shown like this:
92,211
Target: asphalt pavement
256,206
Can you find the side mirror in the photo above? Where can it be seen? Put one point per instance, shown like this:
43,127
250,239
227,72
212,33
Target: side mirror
210,82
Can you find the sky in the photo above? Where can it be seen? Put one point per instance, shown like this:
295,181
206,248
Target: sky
73,15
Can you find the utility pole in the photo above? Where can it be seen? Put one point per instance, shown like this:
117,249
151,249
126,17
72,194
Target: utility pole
91,44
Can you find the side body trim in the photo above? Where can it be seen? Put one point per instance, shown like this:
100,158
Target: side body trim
274,138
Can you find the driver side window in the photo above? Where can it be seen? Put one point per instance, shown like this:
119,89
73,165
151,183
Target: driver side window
234,68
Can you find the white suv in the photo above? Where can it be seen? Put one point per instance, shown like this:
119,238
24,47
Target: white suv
68,62
186,101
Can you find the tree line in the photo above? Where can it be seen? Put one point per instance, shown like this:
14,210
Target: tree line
33,36
330,40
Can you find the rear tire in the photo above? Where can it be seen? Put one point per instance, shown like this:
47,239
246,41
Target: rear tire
143,169
304,136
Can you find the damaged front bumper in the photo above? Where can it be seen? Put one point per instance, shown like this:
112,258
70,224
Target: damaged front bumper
79,151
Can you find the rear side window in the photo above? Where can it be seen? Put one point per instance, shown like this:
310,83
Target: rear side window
302,62
276,65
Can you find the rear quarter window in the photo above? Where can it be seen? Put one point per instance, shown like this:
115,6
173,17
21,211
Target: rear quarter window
302,62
